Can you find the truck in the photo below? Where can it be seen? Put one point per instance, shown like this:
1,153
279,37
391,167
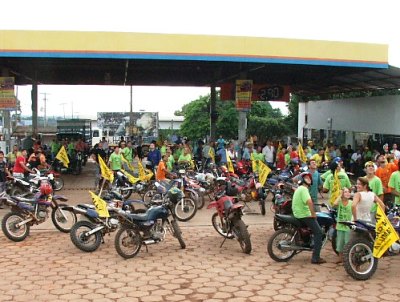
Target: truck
73,129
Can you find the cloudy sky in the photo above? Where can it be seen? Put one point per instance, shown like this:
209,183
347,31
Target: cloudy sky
339,20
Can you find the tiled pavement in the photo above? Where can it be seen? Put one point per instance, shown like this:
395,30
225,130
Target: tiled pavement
48,267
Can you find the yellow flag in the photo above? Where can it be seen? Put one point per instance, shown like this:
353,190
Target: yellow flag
264,171
100,205
124,160
254,165
211,154
62,156
327,155
106,172
279,147
142,174
148,175
385,234
132,179
335,193
302,155
230,164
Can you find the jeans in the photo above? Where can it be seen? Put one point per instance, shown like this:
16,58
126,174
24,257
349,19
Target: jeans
312,223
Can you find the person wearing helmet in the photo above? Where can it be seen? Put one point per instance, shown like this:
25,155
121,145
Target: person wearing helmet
337,160
303,209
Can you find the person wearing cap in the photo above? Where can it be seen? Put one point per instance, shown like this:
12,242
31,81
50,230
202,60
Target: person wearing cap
339,161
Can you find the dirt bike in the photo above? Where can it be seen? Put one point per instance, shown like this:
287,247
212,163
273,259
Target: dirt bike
358,259
296,237
146,229
26,212
227,220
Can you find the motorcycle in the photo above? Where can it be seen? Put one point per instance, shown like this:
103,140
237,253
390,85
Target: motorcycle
184,208
296,237
227,220
57,182
147,228
281,204
128,185
26,212
358,259
30,185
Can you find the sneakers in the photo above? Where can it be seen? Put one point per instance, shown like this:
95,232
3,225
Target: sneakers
319,261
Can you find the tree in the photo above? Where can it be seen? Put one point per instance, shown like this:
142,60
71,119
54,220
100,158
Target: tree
197,118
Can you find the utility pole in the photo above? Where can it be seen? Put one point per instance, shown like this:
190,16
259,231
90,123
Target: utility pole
45,94
63,105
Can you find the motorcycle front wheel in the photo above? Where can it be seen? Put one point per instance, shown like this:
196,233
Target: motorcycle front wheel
185,209
242,235
358,260
10,229
274,248
220,226
178,233
128,242
79,237
58,184
62,219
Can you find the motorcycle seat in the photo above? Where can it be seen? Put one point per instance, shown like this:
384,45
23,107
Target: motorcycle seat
289,219
23,199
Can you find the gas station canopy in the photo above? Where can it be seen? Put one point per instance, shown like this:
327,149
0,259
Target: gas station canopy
109,58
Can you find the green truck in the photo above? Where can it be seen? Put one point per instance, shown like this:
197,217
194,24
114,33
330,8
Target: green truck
73,129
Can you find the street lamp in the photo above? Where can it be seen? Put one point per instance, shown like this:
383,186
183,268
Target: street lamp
63,104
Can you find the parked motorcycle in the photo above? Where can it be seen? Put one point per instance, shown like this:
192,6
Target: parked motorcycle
26,212
296,237
184,208
126,185
147,228
27,187
358,259
227,220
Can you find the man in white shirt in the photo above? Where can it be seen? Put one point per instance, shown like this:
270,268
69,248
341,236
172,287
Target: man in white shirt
268,152
395,152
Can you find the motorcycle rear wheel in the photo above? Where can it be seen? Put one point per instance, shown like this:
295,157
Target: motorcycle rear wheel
8,225
63,224
127,242
82,242
242,235
273,247
185,209
219,227
355,266
178,233
148,196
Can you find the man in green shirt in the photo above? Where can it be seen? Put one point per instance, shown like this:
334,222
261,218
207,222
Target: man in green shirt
303,209
394,185
126,151
343,179
115,161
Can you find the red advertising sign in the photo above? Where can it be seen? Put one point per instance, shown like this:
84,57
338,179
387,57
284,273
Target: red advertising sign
7,98
260,92
243,94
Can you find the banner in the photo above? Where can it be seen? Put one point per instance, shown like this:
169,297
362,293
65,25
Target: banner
243,94
335,188
254,165
230,164
142,174
132,179
211,154
125,161
386,235
8,101
100,205
302,155
106,172
62,156
264,170
327,155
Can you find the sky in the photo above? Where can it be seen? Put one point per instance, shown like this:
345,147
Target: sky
367,21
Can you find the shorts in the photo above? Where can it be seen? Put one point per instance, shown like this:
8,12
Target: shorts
342,238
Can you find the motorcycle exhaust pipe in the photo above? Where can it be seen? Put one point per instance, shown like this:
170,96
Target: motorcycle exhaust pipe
289,247
18,225
149,241
77,210
87,234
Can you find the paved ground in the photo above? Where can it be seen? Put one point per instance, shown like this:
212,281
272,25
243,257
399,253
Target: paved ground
48,267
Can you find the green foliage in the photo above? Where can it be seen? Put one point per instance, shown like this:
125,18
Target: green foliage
228,122
291,121
197,118
267,127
